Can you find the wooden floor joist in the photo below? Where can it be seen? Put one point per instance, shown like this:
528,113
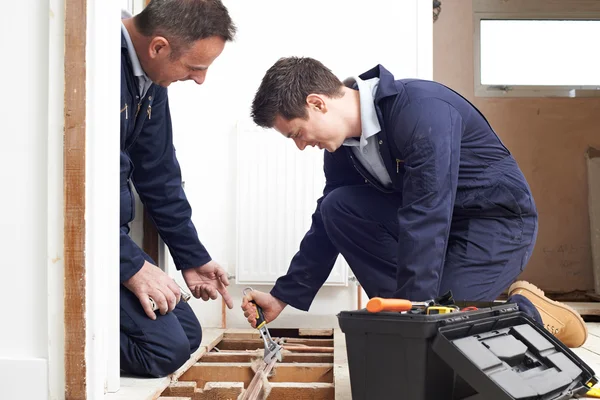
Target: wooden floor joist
306,372
203,372
174,398
302,391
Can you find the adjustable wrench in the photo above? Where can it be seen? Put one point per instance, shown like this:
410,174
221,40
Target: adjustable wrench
272,349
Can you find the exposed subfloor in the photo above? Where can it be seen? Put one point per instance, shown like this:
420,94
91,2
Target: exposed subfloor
306,371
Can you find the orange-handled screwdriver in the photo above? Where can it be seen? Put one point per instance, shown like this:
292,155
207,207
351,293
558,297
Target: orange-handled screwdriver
377,304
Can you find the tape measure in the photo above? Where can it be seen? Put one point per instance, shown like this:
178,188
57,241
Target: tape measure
594,392
434,310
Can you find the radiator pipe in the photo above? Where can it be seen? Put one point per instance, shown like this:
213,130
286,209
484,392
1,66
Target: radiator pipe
223,313
359,296
224,307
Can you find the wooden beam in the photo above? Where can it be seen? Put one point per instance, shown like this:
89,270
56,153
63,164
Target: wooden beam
233,333
315,332
240,344
74,173
585,308
302,391
186,389
341,372
245,356
211,391
220,391
174,398
202,373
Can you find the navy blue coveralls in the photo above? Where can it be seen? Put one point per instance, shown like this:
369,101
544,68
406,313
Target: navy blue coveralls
459,215
153,348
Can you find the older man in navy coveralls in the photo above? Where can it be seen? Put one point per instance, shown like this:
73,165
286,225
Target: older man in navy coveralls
421,195
170,40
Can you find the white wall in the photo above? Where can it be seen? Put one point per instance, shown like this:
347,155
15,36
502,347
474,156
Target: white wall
347,36
23,331
23,176
31,227
22,173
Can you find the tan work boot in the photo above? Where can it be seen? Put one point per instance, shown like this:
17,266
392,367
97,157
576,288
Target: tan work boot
559,319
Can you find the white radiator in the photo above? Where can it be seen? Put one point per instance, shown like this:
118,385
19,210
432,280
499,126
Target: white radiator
277,189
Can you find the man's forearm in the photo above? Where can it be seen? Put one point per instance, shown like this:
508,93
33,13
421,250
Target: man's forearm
309,268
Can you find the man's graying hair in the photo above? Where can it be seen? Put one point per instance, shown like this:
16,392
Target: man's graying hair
286,85
183,22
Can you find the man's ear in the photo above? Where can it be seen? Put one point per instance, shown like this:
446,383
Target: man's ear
159,47
316,102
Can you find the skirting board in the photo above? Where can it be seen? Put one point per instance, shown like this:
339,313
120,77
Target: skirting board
24,378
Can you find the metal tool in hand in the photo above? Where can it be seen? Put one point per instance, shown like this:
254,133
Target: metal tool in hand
185,296
272,349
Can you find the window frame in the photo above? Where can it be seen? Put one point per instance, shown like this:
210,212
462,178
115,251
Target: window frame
532,10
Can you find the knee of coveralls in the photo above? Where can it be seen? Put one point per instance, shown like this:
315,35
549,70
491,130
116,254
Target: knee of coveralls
330,206
165,365
152,348
360,202
186,317
361,223
190,324
177,348
343,211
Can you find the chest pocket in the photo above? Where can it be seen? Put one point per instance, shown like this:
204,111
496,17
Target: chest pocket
135,117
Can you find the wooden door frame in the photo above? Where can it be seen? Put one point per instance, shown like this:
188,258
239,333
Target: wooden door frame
74,174
91,199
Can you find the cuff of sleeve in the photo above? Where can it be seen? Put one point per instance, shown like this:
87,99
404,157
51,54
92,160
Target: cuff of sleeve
132,267
289,298
194,263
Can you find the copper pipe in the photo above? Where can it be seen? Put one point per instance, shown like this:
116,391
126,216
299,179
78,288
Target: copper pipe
308,349
359,296
223,314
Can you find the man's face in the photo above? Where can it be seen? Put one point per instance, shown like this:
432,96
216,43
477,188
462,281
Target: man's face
319,129
192,63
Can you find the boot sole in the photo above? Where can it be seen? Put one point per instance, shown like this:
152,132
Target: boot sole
539,293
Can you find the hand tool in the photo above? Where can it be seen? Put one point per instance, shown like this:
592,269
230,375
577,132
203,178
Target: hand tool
378,304
272,349
185,296
433,310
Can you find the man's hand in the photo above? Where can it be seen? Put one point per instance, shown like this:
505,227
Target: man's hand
271,306
151,281
205,281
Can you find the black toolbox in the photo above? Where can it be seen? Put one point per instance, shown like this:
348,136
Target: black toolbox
494,353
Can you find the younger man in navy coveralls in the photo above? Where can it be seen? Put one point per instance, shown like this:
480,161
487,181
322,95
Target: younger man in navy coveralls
421,196
170,40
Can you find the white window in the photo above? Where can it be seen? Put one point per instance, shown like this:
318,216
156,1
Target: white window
535,53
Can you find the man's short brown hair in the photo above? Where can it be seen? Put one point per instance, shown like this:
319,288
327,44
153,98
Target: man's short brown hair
183,22
286,85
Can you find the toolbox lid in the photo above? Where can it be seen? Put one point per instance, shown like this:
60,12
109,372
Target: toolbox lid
511,357
420,326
